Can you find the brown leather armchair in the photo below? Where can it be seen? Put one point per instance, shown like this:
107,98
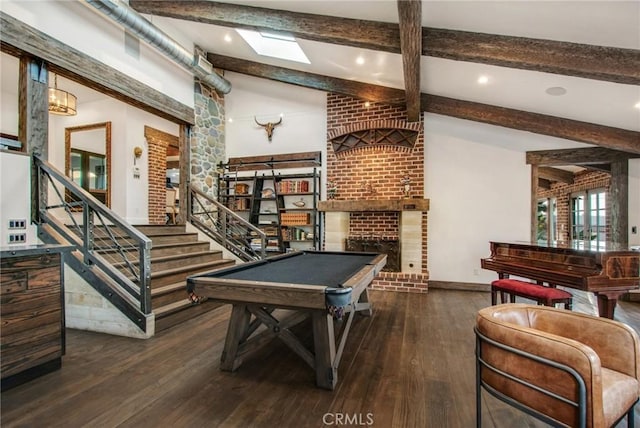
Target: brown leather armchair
564,368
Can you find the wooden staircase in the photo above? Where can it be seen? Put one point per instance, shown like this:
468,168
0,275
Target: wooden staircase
176,255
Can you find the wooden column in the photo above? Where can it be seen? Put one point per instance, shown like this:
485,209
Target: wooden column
33,117
534,202
185,169
619,202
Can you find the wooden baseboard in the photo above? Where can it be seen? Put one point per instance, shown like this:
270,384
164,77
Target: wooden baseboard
631,296
464,286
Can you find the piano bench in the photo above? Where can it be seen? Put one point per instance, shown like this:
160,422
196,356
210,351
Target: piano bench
547,296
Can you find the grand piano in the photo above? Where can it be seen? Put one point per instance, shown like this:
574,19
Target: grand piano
607,270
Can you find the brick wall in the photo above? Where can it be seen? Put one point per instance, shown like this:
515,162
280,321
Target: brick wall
157,157
376,173
585,180
380,225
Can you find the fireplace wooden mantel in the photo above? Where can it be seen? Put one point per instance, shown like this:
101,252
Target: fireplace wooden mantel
366,205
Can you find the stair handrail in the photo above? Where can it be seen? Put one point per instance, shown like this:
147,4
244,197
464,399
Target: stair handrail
225,226
135,289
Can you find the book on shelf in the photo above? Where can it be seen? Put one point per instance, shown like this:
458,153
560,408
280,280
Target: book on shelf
292,186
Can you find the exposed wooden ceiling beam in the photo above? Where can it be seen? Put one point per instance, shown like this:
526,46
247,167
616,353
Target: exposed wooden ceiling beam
584,132
604,136
543,183
364,91
381,36
586,156
605,167
571,59
410,17
555,174
549,56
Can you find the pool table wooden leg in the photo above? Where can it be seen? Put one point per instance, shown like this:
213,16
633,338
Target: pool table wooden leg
324,349
238,325
363,306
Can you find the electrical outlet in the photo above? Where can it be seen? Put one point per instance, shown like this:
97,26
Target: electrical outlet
17,238
634,229
18,224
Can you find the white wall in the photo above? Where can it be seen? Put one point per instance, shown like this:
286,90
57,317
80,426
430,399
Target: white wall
479,189
75,24
135,192
128,194
304,121
8,114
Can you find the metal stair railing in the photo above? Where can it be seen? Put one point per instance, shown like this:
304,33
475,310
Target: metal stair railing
226,227
102,237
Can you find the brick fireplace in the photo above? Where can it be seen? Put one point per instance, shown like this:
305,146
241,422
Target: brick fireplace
375,163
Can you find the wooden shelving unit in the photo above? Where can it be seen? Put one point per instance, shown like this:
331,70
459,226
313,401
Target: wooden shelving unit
284,206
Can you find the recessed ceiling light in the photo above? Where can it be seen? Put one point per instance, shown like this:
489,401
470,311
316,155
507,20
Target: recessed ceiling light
360,60
227,38
483,80
637,105
230,120
274,45
556,91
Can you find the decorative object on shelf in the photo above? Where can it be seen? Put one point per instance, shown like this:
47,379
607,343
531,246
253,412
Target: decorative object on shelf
290,219
406,185
301,203
241,189
269,126
332,189
268,193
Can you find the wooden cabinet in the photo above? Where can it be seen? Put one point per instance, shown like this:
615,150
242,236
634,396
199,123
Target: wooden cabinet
31,312
284,206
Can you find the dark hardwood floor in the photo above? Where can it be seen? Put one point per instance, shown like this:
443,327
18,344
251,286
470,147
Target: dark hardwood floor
409,365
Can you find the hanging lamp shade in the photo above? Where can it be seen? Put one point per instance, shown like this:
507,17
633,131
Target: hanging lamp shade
61,102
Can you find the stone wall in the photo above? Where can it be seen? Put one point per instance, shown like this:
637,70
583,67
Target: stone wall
207,145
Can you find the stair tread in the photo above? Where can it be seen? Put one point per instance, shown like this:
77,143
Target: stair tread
191,267
180,244
185,256
169,288
157,235
172,307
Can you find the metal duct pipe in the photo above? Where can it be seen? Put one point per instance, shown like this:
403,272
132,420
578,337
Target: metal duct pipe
138,25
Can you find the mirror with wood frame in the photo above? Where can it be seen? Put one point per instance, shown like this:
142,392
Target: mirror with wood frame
88,158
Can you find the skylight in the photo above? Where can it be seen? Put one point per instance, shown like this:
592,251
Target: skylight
274,45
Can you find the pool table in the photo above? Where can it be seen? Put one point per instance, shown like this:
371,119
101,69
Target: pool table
322,285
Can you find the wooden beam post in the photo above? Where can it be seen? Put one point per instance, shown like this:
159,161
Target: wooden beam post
410,15
33,119
619,202
534,203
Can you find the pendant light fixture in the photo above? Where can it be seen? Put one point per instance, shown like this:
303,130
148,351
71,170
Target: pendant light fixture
61,102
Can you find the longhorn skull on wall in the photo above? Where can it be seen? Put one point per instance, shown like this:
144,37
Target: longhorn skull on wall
269,126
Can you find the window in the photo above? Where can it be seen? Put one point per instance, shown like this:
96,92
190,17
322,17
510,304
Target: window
547,219
589,215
